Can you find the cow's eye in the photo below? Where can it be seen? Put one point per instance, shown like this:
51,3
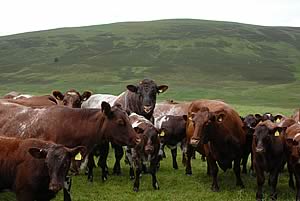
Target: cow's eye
120,122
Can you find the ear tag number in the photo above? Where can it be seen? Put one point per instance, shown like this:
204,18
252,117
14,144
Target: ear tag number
276,133
277,120
162,134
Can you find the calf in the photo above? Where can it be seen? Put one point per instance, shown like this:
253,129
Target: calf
146,151
34,169
172,131
268,155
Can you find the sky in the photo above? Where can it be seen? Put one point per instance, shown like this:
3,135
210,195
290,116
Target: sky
18,16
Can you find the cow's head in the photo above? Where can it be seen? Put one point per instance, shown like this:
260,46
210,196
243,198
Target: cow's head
263,134
201,122
71,98
250,122
116,125
146,91
150,138
57,159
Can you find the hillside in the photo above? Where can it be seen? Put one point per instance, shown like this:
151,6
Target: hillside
242,64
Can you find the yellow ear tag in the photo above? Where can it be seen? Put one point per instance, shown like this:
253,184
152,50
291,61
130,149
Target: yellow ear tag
78,157
276,134
96,159
277,120
162,134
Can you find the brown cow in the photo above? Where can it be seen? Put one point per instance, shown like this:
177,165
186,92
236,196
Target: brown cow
292,141
34,169
68,126
218,129
71,98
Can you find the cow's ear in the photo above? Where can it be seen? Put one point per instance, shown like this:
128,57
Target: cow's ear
162,88
106,109
277,118
86,95
185,117
79,149
219,118
242,118
58,95
38,153
132,88
258,117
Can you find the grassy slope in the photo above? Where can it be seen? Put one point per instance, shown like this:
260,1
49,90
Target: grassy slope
241,64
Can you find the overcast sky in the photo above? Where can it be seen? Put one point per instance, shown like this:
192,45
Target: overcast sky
17,16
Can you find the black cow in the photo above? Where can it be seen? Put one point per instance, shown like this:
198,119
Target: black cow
268,155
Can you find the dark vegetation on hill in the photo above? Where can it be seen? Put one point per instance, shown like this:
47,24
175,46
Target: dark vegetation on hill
242,64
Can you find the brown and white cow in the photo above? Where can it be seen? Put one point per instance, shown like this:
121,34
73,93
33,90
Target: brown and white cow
71,98
68,126
145,152
217,129
172,131
268,155
34,169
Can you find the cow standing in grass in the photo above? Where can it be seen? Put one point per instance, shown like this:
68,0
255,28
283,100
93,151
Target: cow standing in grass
216,128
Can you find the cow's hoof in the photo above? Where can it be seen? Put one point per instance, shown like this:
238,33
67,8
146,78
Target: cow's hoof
104,178
215,188
175,167
132,177
118,173
241,185
188,174
135,189
156,186
90,179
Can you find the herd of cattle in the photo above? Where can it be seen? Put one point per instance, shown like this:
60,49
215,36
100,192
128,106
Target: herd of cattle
43,137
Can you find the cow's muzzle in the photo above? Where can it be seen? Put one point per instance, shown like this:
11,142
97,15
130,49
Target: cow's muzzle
147,109
55,187
259,150
194,142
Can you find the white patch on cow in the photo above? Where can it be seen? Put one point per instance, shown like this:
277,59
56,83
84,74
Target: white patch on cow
136,120
22,96
96,99
71,93
159,121
297,135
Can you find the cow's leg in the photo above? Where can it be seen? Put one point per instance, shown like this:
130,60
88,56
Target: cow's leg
214,173
136,184
104,149
251,166
237,172
244,163
25,196
291,174
273,183
260,179
174,155
91,165
189,152
118,156
67,188
297,178
153,165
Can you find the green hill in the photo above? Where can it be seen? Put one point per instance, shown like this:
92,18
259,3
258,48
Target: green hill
242,64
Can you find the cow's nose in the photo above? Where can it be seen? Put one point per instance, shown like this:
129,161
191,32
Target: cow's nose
55,187
149,149
259,150
147,108
194,142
